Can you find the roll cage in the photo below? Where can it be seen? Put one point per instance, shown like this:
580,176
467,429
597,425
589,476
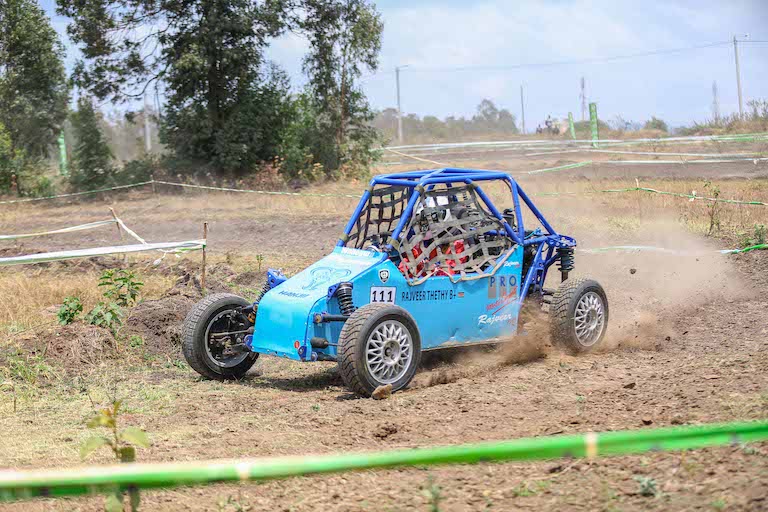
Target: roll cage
387,217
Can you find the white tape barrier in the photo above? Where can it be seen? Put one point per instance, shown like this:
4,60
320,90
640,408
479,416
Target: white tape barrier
73,194
662,153
416,157
72,229
650,248
268,192
190,245
130,231
747,137
681,161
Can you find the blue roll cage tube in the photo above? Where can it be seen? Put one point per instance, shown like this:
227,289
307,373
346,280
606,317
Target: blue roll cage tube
426,179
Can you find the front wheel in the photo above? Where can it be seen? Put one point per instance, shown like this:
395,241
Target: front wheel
579,314
378,345
212,338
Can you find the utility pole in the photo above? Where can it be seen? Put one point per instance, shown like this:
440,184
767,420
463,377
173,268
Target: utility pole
147,134
583,98
738,75
715,104
522,108
399,110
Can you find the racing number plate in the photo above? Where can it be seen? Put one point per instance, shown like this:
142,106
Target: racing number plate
383,294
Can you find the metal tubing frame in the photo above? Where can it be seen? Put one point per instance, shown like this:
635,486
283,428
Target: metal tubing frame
426,179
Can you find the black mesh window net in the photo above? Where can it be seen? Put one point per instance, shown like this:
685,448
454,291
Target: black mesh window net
452,234
380,216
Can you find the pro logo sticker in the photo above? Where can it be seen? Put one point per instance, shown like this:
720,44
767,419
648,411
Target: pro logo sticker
384,275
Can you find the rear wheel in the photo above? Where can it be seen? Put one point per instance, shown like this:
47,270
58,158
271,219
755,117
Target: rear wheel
212,338
579,314
379,345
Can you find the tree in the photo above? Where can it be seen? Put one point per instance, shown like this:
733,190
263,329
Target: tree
33,86
209,55
344,39
226,107
92,158
7,167
246,128
655,123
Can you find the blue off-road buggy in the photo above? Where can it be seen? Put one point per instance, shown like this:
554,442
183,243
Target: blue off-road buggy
427,261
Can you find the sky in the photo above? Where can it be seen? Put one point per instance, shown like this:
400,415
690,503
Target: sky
458,53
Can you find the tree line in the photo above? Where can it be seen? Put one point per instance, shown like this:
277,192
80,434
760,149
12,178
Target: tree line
228,110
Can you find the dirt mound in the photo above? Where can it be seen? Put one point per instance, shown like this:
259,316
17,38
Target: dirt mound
159,321
80,344
70,346
251,278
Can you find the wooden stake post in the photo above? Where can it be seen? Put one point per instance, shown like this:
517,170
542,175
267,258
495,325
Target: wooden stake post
205,238
119,230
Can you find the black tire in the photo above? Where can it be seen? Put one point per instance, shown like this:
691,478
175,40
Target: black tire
193,340
562,314
353,341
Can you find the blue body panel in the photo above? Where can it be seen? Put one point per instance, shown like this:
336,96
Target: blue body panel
446,312
285,312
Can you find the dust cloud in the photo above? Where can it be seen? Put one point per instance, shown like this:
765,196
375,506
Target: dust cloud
650,292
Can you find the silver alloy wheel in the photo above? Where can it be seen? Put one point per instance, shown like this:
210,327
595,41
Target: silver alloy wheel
389,351
589,319
222,361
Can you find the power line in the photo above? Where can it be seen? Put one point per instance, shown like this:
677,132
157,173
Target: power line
572,62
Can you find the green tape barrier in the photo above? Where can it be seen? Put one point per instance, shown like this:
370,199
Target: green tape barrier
561,167
16,485
680,194
757,247
654,191
598,250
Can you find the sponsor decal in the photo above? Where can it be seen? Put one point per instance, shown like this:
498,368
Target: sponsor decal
501,286
427,295
323,275
501,302
384,275
511,264
356,252
494,319
289,293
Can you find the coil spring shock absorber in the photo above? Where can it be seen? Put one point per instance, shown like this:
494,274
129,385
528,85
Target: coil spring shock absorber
251,310
264,289
344,295
566,261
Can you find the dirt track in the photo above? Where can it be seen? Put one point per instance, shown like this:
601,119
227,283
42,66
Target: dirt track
687,344
712,368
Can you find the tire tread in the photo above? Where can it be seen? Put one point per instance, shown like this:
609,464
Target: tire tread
348,347
560,312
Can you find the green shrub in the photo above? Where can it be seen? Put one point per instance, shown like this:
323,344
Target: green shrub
122,286
656,124
122,443
107,315
137,171
69,310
